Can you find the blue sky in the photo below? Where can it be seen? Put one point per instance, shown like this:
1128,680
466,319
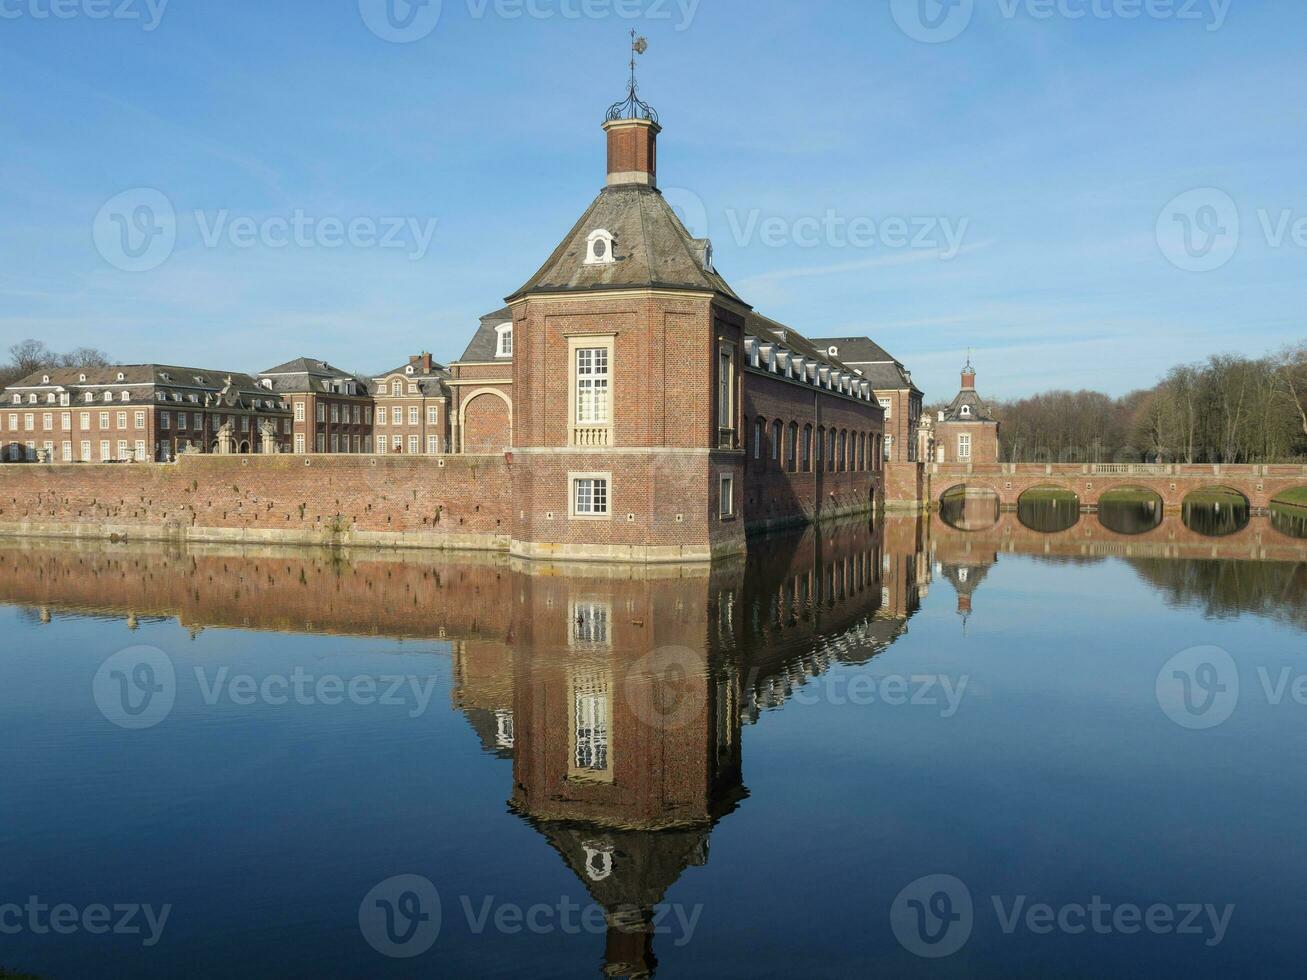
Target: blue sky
1050,146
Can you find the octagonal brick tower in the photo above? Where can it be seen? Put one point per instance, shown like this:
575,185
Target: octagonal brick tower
627,380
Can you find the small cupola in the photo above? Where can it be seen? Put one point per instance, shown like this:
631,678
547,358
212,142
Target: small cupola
632,128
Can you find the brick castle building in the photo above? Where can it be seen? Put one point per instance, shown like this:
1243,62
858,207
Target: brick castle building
966,431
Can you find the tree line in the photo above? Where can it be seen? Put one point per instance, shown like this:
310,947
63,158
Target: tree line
1227,409
29,356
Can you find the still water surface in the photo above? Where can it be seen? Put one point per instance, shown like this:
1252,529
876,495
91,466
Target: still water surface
565,772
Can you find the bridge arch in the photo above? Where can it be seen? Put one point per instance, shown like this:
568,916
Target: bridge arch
1050,508
1130,509
1289,512
970,506
1216,510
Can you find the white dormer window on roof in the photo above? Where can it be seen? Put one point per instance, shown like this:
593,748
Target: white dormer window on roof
45,379
504,346
751,350
599,248
966,411
81,377
833,351
409,369
88,397
121,376
126,396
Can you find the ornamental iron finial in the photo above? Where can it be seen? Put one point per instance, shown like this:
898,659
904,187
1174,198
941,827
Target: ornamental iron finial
633,107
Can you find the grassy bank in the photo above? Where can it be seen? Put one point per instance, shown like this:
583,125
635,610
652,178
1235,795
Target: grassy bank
1130,497
1044,495
1297,497
1216,495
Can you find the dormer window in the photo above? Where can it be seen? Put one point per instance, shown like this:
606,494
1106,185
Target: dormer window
409,369
121,376
833,351
504,347
45,379
966,411
599,248
81,378
126,396
397,388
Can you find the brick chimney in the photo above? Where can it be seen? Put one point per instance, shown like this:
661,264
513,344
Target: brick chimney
421,362
632,151
968,378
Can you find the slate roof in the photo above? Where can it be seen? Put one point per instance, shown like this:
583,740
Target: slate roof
653,249
766,328
151,383
879,366
432,384
308,374
485,342
968,396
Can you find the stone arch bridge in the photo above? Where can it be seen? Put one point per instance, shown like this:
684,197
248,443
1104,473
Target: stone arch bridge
1260,484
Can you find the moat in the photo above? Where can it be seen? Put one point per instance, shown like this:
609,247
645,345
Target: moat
1043,744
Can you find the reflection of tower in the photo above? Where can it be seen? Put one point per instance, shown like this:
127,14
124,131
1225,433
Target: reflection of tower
626,740
965,580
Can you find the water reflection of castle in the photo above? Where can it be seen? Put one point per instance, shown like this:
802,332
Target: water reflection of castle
620,694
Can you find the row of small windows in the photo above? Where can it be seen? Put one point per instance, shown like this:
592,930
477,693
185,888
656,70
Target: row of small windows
796,450
106,420
776,359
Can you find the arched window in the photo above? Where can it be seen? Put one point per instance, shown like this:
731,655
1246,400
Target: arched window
792,455
397,387
777,428
757,438
843,460
807,449
821,449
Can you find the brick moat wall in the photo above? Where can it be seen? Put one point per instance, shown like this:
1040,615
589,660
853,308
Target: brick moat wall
458,501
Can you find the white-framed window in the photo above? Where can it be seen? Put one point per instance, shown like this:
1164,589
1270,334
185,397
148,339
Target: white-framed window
47,421
592,386
414,446
335,443
591,723
966,411
590,497
964,445
299,443
889,447
322,412
726,484
397,388
367,444
321,442
433,445
66,421
140,453
299,411
590,621
165,420
413,417
67,452
357,414
358,443
397,443
181,420
106,453
725,388
504,345
381,445
888,405
140,420
122,449
122,420
335,413
433,415
397,416
86,451
599,247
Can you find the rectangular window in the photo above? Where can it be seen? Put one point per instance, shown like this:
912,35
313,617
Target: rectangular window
432,415
13,423
47,421
397,443
165,420
320,443
414,446
335,413
367,444
964,446
381,445
86,451
299,443
140,454
727,508
589,497
122,420
807,450
122,449
888,406
592,393
358,443
433,445
396,416
299,411
181,420
412,415
335,443
591,721
889,447
140,420
590,623
725,410
68,452
66,421
357,414
106,453
322,412
29,422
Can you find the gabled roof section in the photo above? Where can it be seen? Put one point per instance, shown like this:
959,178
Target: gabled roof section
969,398
653,250
879,366
772,331
485,342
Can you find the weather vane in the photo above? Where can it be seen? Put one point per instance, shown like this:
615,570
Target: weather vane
632,107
